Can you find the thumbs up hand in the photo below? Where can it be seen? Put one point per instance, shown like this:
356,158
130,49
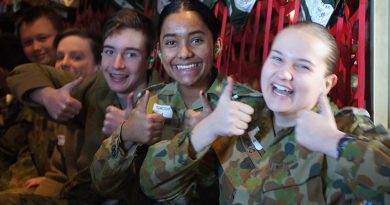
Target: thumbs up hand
229,118
115,116
141,127
59,103
192,117
318,131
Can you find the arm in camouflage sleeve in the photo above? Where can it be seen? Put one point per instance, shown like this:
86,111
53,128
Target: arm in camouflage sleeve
364,163
28,78
111,166
168,170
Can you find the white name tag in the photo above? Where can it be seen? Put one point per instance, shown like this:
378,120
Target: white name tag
60,140
164,110
255,142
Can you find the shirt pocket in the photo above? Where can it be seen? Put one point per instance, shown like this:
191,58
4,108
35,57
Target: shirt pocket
296,182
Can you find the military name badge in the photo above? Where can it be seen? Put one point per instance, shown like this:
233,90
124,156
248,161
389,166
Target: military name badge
255,142
164,110
60,140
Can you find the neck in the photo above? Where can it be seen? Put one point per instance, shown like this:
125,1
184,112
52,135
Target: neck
123,96
190,93
283,121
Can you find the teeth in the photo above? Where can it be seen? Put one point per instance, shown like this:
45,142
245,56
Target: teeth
118,76
186,67
282,90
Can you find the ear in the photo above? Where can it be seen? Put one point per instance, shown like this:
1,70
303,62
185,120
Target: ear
218,47
330,82
158,51
152,58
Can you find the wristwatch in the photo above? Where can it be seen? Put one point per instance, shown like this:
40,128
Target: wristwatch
343,143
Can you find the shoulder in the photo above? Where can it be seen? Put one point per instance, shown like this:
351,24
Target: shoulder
248,95
245,91
353,111
156,88
357,121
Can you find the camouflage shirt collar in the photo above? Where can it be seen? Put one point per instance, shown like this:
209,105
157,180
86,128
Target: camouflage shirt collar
213,92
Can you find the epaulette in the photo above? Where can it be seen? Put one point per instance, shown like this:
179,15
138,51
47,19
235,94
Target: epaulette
155,88
355,111
242,90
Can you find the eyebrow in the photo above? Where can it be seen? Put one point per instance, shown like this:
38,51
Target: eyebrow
191,33
299,59
126,49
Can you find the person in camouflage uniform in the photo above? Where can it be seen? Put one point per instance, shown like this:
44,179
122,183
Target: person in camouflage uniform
300,152
27,139
95,104
36,132
188,33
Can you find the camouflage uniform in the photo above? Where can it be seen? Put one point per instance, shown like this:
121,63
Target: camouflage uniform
281,171
8,115
111,165
27,144
69,175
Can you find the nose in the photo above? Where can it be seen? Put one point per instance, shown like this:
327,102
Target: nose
285,72
185,52
65,63
36,45
119,62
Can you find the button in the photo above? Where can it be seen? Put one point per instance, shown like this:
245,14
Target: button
350,158
114,151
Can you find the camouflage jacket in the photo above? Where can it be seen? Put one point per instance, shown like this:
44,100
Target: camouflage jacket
260,168
69,174
111,165
28,144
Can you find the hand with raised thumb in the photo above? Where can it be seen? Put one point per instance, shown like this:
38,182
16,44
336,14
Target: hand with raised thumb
192,117
141,127
115,116
229,118
59,103
34,182
318,131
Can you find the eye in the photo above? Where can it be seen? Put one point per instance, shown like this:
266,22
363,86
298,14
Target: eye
129,54
197,41
27,43
303,66
108,52
77,57
42,38
170,43
60,56
276,59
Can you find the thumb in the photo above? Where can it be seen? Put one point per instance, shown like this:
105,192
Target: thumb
144,102
228,90
72,85
325,109
130,101
205,102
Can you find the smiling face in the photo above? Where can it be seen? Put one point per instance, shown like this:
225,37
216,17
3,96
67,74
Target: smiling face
75,54
187,49
124,61
294,74
37,41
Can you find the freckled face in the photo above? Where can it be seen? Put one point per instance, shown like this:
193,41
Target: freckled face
187,49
